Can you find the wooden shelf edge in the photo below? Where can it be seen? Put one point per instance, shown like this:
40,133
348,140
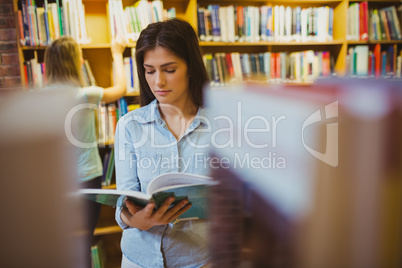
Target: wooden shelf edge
270,43
373,42
112,186
132,94
107,230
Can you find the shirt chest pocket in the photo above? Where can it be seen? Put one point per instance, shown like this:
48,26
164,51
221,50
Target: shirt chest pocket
148,167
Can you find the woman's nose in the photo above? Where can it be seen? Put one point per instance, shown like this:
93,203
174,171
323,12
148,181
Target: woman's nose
160,80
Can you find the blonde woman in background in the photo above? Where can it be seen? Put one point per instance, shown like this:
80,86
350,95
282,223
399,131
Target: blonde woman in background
63,60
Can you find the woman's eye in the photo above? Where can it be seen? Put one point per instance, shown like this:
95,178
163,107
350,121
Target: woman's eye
150,72
171,71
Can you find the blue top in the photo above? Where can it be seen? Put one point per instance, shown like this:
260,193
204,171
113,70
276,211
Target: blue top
144,149
80,130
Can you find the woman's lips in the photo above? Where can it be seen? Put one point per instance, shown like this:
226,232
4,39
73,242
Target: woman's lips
162,92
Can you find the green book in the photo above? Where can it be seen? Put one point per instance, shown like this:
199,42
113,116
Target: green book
193,187
60,20
110,168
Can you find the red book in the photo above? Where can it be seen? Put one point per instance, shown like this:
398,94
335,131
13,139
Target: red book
229,64
364,25
361,21
273,65
20,28
278,65
326,69
240,22
377,57
26,75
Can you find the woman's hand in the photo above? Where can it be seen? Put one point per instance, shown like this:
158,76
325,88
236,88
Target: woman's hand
144,218
118,45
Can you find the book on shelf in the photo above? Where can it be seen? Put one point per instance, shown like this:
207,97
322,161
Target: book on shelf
131,20
42,24
178,185
304,66
98,255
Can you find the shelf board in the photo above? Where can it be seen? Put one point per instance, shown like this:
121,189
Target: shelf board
132,94
374,42
269,43
107,230
86,46
323,2
112,186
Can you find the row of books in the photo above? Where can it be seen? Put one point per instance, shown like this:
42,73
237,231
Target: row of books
40,25
363,62
267,23
130,21
130,68
107,117
376,24
280,67
34,73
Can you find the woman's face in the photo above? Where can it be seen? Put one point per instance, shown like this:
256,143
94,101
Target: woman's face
167,76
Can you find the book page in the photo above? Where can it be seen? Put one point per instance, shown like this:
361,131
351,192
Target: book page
176,179
113,198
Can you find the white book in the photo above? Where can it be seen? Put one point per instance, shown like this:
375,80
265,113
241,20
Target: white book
303,19
111,114
322,24
349,24
83,26
128,72
256,24
246,65
282,23
309,62
135,74
157,7
55,16
73,19
264,22
66,20
142,11
288,24
223,23
356,30
230,23
102,124
297,56
237,67
276,23
267,64
362,61
120,19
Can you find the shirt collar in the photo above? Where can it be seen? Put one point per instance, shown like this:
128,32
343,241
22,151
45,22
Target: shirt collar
152,114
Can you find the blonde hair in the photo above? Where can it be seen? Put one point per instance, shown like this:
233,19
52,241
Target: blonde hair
63,62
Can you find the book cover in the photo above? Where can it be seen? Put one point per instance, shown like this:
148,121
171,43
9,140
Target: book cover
179,185
201,23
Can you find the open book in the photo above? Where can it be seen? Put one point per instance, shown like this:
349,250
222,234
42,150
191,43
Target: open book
180,185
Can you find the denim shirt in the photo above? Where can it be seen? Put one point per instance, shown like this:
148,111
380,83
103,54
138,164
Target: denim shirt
144,149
